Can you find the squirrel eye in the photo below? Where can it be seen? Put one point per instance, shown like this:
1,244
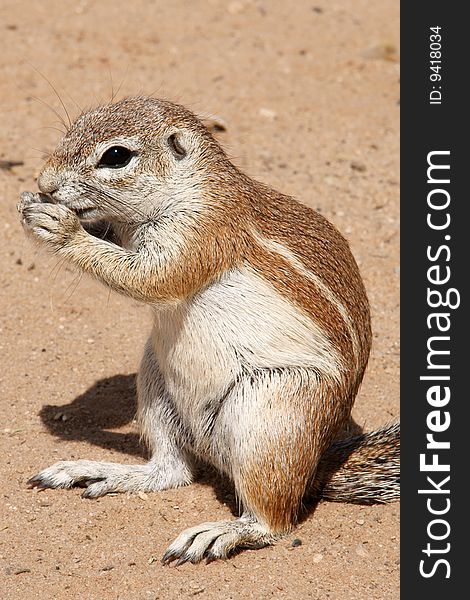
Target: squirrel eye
115,157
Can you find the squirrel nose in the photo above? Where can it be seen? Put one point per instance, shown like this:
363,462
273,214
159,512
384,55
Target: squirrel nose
48,181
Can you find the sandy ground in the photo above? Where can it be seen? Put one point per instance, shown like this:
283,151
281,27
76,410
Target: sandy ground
309,95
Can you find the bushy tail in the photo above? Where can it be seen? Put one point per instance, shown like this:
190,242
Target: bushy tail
364,469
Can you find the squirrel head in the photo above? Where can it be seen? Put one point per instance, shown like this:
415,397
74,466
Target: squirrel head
131,161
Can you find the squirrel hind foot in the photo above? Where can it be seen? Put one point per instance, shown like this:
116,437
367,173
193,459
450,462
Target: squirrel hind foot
217,540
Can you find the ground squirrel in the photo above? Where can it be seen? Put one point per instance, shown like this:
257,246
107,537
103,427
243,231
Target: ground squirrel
261,328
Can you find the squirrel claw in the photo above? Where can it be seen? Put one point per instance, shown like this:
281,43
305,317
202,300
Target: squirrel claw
214,541
169,557
182,559
211,557
36,482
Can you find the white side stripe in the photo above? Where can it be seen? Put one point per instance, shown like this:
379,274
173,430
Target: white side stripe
280,249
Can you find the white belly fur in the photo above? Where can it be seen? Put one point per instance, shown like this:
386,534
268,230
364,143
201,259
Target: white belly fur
240,322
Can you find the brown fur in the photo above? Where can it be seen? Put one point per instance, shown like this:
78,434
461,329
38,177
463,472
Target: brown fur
293,429
291,285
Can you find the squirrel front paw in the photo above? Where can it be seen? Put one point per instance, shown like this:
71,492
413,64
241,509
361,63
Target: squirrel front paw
52,224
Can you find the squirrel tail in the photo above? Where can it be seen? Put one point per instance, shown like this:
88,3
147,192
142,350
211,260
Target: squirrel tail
364,469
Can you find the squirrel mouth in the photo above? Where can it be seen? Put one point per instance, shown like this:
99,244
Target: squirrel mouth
85,214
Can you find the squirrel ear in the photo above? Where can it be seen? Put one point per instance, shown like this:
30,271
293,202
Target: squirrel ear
176,146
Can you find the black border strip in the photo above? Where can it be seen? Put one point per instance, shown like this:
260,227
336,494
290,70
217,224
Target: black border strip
427,128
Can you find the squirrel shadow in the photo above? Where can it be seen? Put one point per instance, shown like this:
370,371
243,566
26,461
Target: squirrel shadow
108,404
111,403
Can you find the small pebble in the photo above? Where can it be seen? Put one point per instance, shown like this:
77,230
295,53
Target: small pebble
296,542
358,166
235,8
382,51
361,551
16,570
267,113
107,568
316,558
